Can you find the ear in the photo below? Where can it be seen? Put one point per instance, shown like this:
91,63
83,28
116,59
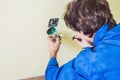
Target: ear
82,33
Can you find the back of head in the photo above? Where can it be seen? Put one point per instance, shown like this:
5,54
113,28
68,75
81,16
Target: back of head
88,15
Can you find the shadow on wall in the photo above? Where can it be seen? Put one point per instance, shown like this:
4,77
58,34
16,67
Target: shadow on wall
35,78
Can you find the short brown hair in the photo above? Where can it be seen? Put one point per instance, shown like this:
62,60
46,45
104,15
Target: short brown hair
88,15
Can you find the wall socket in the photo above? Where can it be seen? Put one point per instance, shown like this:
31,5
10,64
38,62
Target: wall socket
53,22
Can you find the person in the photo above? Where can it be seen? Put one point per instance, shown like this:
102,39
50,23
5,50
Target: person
98,33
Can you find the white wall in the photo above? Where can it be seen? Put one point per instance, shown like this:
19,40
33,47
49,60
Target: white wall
23,39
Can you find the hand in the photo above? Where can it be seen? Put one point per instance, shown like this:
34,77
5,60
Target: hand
54,45
82,42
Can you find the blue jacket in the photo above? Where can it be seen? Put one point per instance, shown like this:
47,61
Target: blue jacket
99,63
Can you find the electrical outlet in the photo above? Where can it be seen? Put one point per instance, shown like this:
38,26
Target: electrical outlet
53,22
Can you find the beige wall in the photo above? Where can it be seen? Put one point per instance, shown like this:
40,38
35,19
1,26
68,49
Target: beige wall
23,39
115,8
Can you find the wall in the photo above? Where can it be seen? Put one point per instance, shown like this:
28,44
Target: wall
115,8
23,39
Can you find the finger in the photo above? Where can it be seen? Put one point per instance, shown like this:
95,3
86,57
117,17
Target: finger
50,40
58,40
51,36
54,40
79,39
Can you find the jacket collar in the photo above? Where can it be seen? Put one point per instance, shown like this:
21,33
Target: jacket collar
100,34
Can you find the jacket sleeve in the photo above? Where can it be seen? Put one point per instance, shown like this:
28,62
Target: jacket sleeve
54,72
76,69
52,69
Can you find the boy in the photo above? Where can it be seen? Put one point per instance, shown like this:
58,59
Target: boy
100,37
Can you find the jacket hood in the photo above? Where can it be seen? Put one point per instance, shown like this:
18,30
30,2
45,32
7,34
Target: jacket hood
103,34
